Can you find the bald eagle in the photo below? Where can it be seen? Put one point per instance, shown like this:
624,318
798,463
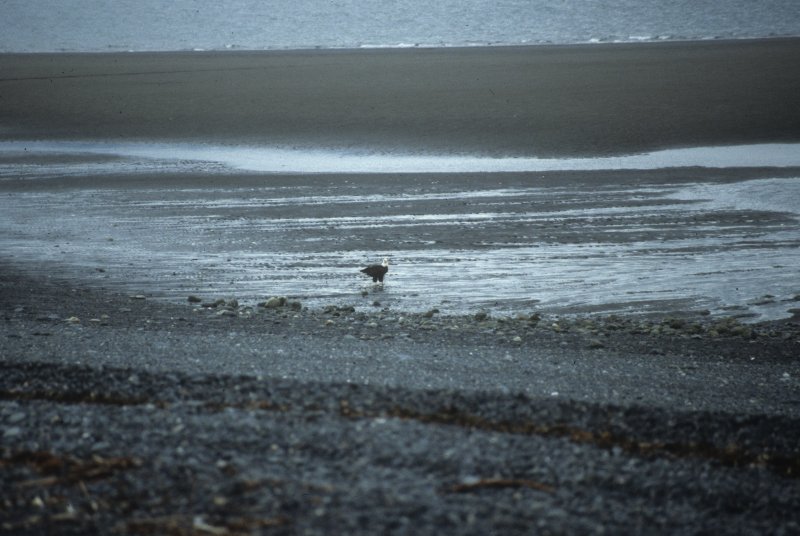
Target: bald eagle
377,271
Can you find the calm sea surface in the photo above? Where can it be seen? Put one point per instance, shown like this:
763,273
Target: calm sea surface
140,25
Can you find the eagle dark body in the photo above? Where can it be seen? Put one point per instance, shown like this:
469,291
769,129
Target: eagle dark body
377,271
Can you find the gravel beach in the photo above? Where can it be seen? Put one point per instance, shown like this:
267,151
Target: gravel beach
121,414
148,387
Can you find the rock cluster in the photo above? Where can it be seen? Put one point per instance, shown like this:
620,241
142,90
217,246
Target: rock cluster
370,323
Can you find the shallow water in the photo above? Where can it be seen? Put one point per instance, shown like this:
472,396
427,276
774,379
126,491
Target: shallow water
131,157
501,242
99,26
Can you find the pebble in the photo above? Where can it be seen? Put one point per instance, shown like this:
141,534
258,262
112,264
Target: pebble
17,417
12,431
275,302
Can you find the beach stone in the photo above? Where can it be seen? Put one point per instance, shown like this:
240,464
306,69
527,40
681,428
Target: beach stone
12,431
275,302
481,316
742,331
693,328
430,313
16,417
675,323
73,320
193,299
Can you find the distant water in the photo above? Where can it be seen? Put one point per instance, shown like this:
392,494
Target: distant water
147,25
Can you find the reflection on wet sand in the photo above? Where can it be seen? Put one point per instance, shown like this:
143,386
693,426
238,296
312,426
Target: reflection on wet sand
627,241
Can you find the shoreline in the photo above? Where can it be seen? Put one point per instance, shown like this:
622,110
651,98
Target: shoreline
54,319
401,47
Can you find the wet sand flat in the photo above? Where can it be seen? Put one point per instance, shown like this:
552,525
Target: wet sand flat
543,101
700,241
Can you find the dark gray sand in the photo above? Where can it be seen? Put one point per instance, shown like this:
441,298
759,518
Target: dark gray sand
541,101
124,414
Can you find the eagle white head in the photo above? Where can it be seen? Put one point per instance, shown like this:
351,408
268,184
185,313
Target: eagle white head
385,261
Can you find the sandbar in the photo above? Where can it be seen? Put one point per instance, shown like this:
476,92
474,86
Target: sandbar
533,101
